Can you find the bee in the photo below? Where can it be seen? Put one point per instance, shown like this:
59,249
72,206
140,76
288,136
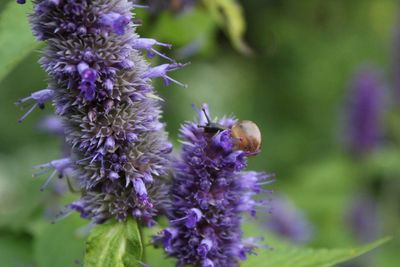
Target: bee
246,133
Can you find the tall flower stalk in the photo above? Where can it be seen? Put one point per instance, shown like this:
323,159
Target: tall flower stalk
210,193
364,112
100,85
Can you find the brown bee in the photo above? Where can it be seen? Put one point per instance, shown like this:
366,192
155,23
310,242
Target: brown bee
246,133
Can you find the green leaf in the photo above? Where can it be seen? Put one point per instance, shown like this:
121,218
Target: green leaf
60,244
16,39
229,15
307,257
20,197
283,254
116,244
191,28
15,249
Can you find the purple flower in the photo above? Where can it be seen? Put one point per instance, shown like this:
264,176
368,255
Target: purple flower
288,221
41,97
364,112
210,192
60,166
362,218
363,221
147,44
52,124
21,2
161,71
111,118
115,22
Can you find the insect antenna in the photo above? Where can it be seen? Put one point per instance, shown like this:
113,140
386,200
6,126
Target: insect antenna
205,114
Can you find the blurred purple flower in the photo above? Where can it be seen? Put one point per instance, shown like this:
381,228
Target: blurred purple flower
52,124
363,222
210,192
362,218
364,111
288,221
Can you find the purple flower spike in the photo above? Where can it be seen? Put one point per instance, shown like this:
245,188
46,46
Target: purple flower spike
109,110
210,192
364,112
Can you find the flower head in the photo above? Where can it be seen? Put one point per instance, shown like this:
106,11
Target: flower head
101,89
210,192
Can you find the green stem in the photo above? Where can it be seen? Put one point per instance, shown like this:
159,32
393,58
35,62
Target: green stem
142,240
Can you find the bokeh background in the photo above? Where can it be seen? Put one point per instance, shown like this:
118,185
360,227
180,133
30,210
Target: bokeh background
334,150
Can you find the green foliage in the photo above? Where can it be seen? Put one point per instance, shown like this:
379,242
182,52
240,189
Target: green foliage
229,15
114,244
195,28
60,244
20,197
283,254
15,250
307,257
16,40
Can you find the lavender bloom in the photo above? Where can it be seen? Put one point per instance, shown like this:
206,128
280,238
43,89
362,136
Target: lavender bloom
40,97
362,218
147,44
102,92
288,221
364,112
209,194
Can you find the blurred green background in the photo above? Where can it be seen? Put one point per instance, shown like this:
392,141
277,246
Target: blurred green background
294,86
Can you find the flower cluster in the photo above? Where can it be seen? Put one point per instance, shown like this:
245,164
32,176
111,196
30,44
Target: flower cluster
100,85
210,193
364,112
